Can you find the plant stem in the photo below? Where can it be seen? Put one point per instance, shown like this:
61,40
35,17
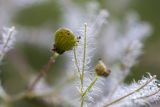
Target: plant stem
76,62
121,98
84,52
90,86
75,59
82,101
87,90
83,66
6,43
43,71
147,96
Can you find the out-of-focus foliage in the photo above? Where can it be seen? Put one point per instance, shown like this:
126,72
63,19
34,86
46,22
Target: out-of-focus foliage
35,57
150,60
48,12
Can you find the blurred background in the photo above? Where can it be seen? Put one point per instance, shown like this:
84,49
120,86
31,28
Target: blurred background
37,20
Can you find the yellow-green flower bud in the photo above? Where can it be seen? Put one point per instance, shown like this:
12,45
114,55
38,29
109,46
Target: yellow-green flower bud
101,69
64,40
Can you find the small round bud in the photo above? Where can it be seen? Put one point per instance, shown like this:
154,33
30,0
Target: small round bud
101,69
64,40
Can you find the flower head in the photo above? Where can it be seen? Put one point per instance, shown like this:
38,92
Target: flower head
64,40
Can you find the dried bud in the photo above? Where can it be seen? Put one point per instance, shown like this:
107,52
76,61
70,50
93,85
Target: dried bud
101,69
64,40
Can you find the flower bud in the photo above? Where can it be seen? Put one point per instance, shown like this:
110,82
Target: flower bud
64,40
101,69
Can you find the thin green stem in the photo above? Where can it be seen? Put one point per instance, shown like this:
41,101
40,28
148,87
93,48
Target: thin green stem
90,86
84,52
87,90
75,61
82,101
121,98
83,66
77,66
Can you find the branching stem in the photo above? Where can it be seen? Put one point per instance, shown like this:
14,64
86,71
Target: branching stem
43,71
147,96
84,62
90,86
123,97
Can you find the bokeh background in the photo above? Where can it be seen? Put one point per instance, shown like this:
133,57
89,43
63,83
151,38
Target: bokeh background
35,22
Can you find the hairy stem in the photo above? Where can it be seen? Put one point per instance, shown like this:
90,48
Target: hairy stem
123,97
43,71
87,90
75,59
76,62
90,86
6,43
84,52
147,96
84,62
